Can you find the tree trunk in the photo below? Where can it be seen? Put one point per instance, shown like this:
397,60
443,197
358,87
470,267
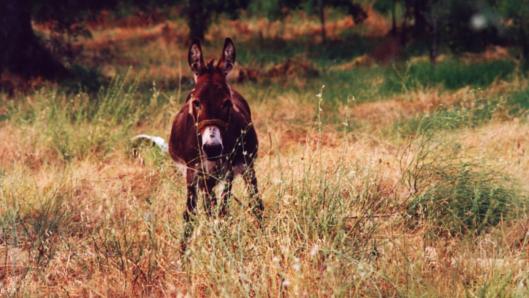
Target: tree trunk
20,50
522,39
417,11
198,16
434,37
322,20
394,18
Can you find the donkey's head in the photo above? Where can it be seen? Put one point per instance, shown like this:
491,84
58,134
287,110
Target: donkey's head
210,102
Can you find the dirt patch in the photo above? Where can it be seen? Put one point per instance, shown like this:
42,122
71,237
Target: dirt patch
363,60
376,24
491,53
241,74
293,67
290,68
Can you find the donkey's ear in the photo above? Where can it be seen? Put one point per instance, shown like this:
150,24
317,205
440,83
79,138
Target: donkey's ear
227,60
195,57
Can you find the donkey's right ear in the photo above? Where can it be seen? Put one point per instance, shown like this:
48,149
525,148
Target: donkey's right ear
195,57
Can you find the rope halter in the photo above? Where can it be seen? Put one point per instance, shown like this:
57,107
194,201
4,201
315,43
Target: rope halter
221,124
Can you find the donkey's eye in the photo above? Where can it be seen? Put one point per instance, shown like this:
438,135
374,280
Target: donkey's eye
196,104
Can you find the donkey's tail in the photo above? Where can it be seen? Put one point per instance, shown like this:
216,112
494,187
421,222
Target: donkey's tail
158,141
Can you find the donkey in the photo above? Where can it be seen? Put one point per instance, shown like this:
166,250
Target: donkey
213,137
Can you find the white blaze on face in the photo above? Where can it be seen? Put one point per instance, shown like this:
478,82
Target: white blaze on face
211,136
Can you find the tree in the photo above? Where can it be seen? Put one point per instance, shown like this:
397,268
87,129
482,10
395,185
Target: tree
385,6
274,9
355,10
201,12
21,52
459,25
517,11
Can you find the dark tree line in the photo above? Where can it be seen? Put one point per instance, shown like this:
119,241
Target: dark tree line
457,25
464,25
21,51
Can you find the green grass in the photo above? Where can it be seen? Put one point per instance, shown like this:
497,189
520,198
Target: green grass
481,111
518,103
447,119
450,74
81,124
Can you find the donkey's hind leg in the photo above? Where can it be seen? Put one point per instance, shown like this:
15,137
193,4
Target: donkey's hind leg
256,204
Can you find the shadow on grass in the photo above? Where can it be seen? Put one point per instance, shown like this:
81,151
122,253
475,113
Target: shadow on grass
84,79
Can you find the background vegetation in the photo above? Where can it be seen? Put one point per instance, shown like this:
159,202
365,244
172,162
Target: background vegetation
392,150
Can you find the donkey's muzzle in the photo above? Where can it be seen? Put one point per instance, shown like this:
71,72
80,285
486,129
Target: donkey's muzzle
212,142
212,151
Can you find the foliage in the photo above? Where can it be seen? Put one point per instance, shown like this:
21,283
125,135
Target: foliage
518,32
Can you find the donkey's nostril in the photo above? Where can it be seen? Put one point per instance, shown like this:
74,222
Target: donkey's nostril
212,151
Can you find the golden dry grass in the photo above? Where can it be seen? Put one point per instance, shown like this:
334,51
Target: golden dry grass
118,222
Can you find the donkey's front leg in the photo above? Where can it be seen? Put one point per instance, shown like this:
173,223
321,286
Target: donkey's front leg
210,200
226,194
256,204
190,211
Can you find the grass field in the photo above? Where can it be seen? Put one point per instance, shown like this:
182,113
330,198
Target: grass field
397,179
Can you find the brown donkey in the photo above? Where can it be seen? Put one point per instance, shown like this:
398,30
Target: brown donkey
213,137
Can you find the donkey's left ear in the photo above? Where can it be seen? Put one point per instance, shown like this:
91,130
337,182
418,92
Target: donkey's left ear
227,60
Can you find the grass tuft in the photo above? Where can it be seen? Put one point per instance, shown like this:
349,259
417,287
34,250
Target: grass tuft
455,196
